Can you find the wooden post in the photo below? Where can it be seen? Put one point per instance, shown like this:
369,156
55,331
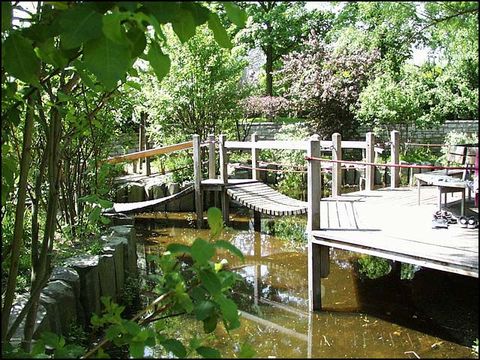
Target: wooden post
197,174
223,178
255,173
141,139
257,218
148,168
395,155
337,167
211,156
318,256
370,154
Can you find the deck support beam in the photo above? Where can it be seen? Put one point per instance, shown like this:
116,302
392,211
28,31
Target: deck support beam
337,167
395,155
197,175
257,217
370,156
224,178
318,255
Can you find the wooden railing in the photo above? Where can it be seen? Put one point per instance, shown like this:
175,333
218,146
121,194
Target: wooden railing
151,152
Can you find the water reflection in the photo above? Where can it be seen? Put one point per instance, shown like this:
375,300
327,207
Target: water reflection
362,318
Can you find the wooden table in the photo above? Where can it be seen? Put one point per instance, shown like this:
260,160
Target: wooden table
445,184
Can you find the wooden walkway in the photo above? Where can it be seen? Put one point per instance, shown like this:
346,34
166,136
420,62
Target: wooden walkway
389,223
259,197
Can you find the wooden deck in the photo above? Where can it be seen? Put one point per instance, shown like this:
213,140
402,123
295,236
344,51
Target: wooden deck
259,197
389,223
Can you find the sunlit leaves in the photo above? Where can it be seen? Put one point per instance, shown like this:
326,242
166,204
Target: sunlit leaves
159,61
112,28
202,250
80,24
20,60
210,281
175,346
208,352
107,60
219,32
230,247
229,311
137,40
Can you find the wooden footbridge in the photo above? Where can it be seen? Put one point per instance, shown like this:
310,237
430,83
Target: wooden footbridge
388,222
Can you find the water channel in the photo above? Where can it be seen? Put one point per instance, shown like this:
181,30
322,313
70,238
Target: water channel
435,315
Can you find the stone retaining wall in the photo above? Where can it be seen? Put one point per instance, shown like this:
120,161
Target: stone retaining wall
73,291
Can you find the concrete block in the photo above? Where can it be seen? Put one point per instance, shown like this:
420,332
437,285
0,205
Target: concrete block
136,192
64,297
107,276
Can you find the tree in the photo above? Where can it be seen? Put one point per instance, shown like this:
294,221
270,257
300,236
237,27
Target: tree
45,64
277,28
200,94
323,84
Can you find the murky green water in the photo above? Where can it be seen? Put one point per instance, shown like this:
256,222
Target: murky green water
435,315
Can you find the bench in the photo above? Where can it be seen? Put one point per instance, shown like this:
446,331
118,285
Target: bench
451,181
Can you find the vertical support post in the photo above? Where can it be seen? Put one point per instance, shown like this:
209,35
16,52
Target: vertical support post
370,169
148,168
211,156
337,167
197,174
395,151
255,173
318,255
141,139
223,178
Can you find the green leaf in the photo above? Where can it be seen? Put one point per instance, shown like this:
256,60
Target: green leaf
230,247
184,25
178,248
175,346
204,309
20,60
219,32
159,61
208,352
132,327
163,11
137,41
215,221
200,13
112,27
50,339
136,349
235,14
80,24
6,15
133,85
246,351
50,54
102,354
107,60
210,281
229,311
202,251
210,323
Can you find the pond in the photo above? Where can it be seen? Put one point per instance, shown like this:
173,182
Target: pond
435,315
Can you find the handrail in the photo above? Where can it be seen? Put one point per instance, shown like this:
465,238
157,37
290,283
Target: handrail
150,152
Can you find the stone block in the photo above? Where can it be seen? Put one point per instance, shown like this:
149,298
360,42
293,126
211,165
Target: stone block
107,277
64,297
136,192
118,247
187,202
42,322
173,205
131,252
122,193
87,268
71,277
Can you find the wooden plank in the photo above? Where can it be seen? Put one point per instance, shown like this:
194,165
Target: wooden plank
152,152
197,178
211,156
336,169
370,170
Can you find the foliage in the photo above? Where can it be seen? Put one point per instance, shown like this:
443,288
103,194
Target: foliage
323,85
418,155
278,28
200,94
407,271
424,96
456,138
266,106
180,166
475,347
373,267
291,228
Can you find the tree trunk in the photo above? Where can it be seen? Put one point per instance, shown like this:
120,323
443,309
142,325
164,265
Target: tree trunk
269,69
19,216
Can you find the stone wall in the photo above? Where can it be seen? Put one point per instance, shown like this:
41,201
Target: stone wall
74,289
267,131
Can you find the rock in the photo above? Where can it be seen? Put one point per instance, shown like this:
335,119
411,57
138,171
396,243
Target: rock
131,254
107,277
64,297
173,205
71,277
122,193
87,268
187,202
136,192
42,322
118,247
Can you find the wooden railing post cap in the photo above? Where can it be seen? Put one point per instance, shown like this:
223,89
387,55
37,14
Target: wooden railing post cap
315,137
